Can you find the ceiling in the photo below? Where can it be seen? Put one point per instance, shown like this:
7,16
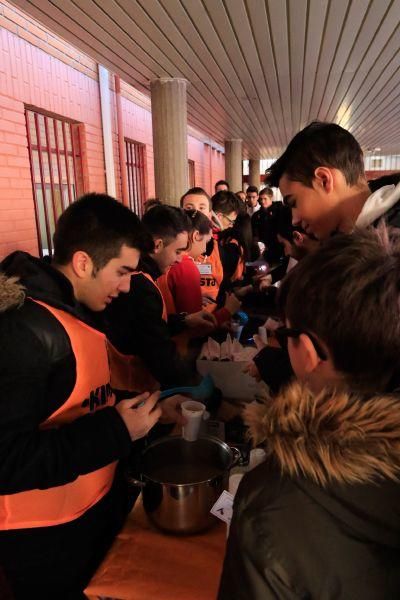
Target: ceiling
259,70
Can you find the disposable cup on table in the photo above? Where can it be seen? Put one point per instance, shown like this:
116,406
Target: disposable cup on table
237,329
194,413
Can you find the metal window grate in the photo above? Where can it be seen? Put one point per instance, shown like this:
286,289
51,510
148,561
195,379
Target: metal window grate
136,171
56,170
192,178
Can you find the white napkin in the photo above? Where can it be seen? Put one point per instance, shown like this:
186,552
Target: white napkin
229,350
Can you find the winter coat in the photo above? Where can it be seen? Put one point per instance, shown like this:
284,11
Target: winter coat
320,519
37,375
134,323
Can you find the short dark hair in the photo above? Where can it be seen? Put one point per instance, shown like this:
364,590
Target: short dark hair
166,222
347,294
99,225
151,203
319,144
267,191
199,221
251,189
225,202
221,182
196,191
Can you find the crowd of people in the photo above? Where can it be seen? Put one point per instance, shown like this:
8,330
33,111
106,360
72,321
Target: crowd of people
89,338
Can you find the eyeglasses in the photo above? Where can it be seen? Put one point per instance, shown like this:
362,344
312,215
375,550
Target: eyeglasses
283,333
230,221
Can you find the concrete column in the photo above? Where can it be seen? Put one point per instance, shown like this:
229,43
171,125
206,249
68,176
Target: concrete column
169,117
233,164
105,103
254,173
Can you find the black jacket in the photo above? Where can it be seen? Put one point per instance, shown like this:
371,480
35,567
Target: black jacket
135,325
37,376
320,519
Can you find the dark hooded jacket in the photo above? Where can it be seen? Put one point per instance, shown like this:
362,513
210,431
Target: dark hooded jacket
320,519
134,324
37,375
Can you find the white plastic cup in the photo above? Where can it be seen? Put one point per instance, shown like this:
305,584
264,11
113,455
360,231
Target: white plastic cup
237,329
262,332
194,412
257,456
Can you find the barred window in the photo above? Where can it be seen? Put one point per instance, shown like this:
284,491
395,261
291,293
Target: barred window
56,170
136,172
191,174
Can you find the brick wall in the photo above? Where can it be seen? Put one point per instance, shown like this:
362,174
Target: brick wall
37,68
209,164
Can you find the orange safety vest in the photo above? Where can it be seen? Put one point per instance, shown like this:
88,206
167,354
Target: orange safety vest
240,267
92,391
211,273
128,372
163,286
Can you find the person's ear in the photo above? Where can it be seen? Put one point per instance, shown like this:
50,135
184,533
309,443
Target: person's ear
298,239
82,265
196,236
323,178
158,245
307,353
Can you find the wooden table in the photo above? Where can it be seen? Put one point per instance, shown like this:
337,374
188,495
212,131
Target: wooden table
145,564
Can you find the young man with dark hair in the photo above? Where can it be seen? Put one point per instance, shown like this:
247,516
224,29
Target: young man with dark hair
221,186
260,219
234,239
252,200
319,519
61,435
137,323
321,177
197,199
226,206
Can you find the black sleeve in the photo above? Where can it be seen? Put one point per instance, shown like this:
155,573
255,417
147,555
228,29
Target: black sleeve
255,225
230,256
252,566
29,456
279,272
175,324
136,327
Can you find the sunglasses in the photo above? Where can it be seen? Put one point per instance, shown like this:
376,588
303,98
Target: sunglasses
283,333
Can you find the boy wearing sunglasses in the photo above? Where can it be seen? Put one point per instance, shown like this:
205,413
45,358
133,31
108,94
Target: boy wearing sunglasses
320,518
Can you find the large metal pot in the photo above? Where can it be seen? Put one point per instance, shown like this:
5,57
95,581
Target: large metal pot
182,480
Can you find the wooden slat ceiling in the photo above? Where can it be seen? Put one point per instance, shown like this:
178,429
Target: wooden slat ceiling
259,70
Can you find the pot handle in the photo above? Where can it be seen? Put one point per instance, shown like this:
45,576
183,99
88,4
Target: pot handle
236,456
136,482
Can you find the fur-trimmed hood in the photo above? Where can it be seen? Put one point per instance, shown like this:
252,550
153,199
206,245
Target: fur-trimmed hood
25,275
330,437
12,293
